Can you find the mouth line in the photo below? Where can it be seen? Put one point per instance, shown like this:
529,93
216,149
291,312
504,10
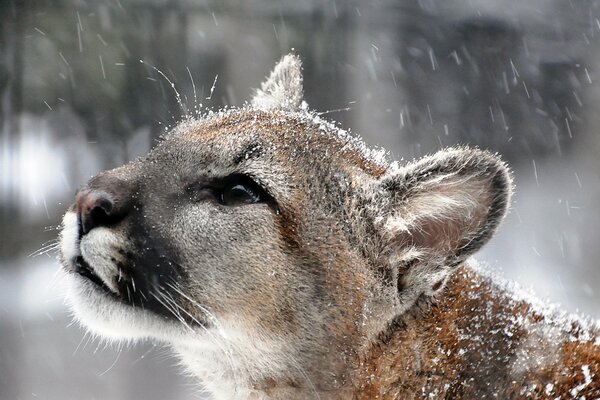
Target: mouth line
83,269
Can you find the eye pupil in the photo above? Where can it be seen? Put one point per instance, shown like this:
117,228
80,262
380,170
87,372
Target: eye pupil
238,193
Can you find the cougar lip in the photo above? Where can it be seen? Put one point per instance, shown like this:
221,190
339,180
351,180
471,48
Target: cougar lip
92,267
82,268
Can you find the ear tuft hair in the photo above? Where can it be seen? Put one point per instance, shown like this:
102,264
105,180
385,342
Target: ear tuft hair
283,88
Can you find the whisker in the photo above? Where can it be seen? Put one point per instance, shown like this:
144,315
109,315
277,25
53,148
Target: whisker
57,277
85,335
89,340
46,248
177,95
196,105
173,311
113,364
212,88
195,303
226,350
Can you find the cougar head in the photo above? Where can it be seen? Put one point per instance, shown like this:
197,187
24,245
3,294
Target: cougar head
264,243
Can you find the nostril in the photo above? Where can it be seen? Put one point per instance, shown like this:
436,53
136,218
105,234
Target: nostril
103,205
93,209
99,213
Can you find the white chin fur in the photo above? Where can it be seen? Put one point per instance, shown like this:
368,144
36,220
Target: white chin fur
111,319
95,309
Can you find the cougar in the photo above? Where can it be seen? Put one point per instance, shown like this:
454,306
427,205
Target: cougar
281,258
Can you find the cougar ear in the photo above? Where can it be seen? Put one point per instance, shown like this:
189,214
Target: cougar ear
283,88
438,211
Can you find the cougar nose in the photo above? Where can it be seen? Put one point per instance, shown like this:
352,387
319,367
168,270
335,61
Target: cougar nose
94,208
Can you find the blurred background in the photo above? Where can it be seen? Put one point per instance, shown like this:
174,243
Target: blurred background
517,77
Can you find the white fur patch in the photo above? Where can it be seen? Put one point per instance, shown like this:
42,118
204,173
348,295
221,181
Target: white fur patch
230,358
113,320
98,249
69,241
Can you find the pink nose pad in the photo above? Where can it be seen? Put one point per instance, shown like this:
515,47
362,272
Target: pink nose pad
94,208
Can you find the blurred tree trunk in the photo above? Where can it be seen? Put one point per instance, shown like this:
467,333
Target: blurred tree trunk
11,107
11,94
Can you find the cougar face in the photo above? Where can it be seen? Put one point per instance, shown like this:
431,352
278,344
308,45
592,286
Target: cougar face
267,246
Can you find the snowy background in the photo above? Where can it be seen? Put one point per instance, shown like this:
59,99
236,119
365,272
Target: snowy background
517,77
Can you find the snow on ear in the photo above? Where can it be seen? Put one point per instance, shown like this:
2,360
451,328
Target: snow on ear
438,211
283,88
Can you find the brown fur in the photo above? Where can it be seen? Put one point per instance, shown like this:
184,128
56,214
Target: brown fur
463,345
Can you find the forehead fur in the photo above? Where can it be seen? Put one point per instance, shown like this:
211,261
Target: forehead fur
243,134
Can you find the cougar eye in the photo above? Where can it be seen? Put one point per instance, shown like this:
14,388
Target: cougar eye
241,191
